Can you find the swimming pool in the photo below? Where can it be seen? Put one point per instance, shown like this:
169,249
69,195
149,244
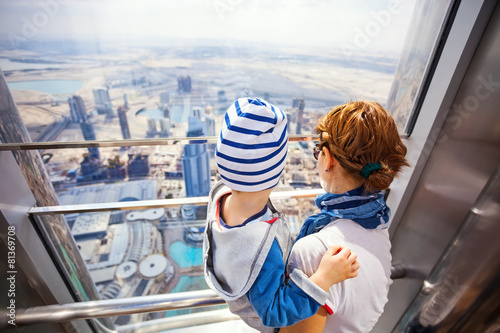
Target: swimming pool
185,255
188,256
190,283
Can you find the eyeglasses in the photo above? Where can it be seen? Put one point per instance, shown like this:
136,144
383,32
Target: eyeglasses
317,150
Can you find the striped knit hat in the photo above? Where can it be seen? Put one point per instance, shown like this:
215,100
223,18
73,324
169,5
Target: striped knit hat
252,146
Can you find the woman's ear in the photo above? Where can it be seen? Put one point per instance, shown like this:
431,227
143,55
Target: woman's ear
329,159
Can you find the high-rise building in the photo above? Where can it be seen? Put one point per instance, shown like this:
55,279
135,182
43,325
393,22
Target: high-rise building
116,168
91,168
166,111
221,96
122,117
184,84
196,112
289,118
164,98
89,135
188,110
77,109
102,101
196,161
165,127
299,104
125,101
151,128
138,165
210,125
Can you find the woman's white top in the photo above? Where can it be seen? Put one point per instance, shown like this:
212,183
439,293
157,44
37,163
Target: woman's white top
356,303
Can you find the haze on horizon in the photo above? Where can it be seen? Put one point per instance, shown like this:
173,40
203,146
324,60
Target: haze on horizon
300,23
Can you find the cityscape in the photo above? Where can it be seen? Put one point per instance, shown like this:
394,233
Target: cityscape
174,93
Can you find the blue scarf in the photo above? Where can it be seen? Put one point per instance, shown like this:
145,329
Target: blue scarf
369,211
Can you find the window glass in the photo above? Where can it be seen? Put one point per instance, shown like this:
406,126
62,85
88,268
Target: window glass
141,69
140,253
420,46
114,70
150,251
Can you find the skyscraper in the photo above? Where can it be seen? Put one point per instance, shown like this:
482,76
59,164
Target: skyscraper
122,117
184,84
102,101
89,135
196,161
151,128
166,112
196,113
125,101
77,109
299,104
221,96
210,125
138,164
164,99
164,127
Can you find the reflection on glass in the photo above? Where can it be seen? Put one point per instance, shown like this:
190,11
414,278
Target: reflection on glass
138,253
88,171
418,49
152,251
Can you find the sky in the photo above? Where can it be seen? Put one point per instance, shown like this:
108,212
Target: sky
371,25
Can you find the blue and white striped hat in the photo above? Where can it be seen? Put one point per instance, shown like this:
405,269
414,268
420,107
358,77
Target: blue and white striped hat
252,146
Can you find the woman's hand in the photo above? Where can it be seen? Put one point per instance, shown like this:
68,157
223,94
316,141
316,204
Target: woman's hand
337,265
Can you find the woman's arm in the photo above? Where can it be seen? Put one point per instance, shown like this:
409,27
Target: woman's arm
314,324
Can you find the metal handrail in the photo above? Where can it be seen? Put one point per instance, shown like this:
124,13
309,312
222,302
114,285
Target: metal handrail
13,146
111,307
132,142
155,303
188,320
160,203
125,306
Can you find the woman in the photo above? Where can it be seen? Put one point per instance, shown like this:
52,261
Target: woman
359,154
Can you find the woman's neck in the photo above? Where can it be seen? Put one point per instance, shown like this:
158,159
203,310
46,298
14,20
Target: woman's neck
342,188
340,182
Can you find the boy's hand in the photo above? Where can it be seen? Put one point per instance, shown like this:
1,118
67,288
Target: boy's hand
337,265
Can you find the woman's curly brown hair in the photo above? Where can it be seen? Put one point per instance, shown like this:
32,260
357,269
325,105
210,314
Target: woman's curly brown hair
359,133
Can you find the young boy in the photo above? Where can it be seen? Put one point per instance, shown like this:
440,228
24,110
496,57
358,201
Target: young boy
247,242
